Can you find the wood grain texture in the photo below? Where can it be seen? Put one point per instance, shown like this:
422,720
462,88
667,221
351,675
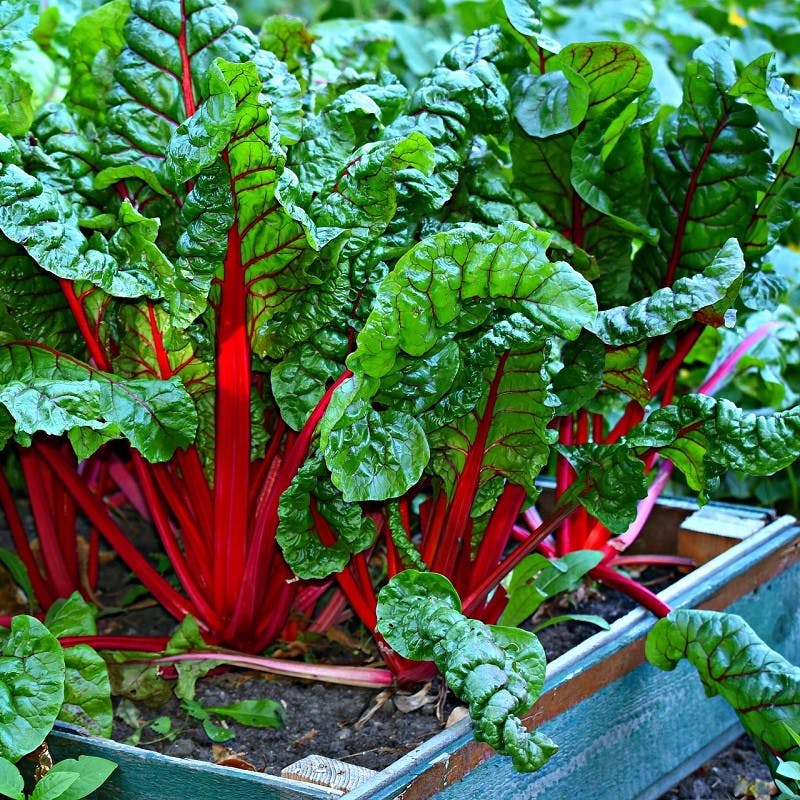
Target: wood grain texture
144,775
330,772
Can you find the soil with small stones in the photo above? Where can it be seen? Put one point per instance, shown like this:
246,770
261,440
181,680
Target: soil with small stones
364,727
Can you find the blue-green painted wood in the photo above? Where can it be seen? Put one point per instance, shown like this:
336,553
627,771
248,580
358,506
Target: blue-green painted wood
145,775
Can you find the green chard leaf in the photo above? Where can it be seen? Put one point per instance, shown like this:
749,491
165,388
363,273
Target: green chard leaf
588,175
734,663
94,43
710,164
31,686
87,689
162,74
498,671
80,777
46,224
701,435
537,579
53,393
508,425
450,283
706,296
310,504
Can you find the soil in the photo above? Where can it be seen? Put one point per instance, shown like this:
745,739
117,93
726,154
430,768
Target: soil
364,727
371,729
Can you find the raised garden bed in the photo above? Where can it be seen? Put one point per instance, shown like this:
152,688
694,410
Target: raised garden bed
600,698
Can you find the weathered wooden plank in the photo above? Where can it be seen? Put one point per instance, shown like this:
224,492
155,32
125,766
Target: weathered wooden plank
144,775
584,696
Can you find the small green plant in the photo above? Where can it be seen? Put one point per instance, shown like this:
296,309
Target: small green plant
35,685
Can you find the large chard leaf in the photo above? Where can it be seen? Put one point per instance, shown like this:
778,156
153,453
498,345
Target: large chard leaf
585,165
450,283
734,663
18,18
508,424
761,84
447,285
701,435
46,224
31,686
50,392
709,166
498,671
94,42
34,301
161,75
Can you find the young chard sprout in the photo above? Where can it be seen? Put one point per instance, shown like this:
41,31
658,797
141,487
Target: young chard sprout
498,671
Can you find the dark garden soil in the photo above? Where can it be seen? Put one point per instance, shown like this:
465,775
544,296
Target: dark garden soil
370,728
364,727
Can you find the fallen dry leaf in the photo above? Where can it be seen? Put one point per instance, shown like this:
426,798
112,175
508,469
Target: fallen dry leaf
303,740
228,758
376,705
406,703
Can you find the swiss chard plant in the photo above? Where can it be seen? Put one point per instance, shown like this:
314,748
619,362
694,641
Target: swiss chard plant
734,663
318,325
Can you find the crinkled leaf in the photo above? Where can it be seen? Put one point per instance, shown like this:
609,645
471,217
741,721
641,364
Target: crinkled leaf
92,773
537,579
152,94
35,302
508,427
94,44
734,663
449,284
47,226
87,690
701,435
700,295
375,455
580,377
299,381
498,671
31,686
610,482
312,501
48,392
